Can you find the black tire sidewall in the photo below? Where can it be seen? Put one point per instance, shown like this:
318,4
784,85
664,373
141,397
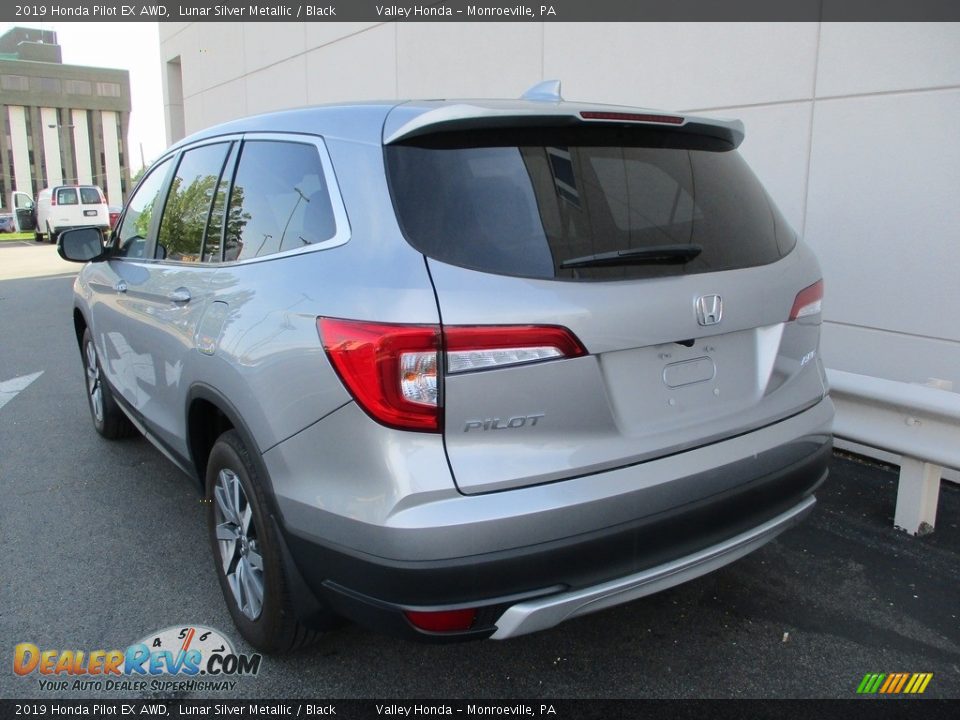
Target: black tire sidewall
115,423
100,425
271,631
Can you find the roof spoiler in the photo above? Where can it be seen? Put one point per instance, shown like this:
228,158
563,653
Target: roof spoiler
543,105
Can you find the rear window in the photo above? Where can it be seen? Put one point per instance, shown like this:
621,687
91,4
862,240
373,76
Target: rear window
67,196
90,196
546,203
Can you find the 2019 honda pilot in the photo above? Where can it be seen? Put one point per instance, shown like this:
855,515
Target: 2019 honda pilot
461,369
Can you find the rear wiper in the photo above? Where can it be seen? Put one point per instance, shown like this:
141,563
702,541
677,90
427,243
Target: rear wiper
653,255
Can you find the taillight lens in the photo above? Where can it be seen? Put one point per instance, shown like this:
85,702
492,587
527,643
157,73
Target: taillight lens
393,371
808,301
480,348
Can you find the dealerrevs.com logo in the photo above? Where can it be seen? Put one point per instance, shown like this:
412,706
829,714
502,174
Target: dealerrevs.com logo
178,658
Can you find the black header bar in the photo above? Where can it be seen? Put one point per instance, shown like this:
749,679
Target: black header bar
485,11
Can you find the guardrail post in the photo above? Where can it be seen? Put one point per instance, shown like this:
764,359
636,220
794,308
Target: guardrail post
917,494
920,423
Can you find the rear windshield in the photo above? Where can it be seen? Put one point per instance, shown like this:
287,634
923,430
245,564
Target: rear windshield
546,203
67,196
90,196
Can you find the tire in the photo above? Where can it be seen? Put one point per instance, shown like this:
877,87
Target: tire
247,554
51,235
108,418
37,237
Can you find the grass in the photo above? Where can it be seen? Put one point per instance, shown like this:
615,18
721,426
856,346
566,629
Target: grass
4,237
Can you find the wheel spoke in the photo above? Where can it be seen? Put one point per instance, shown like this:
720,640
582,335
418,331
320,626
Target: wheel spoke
237,587
94,386
252,582
256,560
91,355
235,498
236,535
228,554
227,531
228,496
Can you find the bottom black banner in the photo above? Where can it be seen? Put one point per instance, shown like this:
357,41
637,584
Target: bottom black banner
580,709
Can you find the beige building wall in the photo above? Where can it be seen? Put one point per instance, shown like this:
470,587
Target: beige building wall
851,126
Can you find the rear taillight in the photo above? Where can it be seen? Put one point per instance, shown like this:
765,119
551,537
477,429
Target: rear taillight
482,347
53,198
808,301
393,371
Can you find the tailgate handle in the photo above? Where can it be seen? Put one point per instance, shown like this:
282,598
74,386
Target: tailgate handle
180,295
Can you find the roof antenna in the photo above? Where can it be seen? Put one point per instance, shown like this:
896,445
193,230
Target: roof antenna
546,91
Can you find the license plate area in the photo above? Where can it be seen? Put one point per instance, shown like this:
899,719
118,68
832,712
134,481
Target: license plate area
688,372
89,213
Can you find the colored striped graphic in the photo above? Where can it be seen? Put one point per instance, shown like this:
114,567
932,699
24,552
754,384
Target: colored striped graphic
894,683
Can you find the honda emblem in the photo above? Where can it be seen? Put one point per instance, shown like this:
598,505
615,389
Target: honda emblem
709,309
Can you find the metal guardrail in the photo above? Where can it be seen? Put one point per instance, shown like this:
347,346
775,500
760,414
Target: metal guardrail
919,422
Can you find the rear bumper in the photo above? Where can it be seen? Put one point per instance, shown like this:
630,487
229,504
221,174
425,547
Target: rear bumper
541,613
675,530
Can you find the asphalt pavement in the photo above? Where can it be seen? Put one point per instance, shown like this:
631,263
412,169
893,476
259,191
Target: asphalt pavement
103,543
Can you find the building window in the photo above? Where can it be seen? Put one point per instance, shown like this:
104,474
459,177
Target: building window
108,89
77,87
14,82
46,84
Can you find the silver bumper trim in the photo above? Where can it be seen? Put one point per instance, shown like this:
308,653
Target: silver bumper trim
541,613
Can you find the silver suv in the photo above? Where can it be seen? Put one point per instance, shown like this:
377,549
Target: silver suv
461,369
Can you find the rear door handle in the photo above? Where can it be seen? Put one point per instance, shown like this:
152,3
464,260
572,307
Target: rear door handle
180,295
121,286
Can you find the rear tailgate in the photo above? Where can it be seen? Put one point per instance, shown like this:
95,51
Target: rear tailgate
640,393
659,252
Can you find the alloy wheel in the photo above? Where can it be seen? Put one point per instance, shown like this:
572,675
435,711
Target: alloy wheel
236,532
94,382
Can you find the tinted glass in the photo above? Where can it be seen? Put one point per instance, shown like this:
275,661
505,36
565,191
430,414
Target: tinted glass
67,196
211,246
90,196
510,206
188,202
279,200
131,236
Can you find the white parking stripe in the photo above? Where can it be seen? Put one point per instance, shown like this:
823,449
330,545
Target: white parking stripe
10,388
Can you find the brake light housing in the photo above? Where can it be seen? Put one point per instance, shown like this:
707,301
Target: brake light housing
632,117
808,301
394,371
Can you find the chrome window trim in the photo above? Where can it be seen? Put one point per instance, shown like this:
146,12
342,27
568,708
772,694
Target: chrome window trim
341,220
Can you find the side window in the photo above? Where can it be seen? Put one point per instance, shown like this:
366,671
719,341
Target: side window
279,200
67,196
131,236
188,203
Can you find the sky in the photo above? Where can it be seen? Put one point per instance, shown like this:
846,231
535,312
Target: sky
133,46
